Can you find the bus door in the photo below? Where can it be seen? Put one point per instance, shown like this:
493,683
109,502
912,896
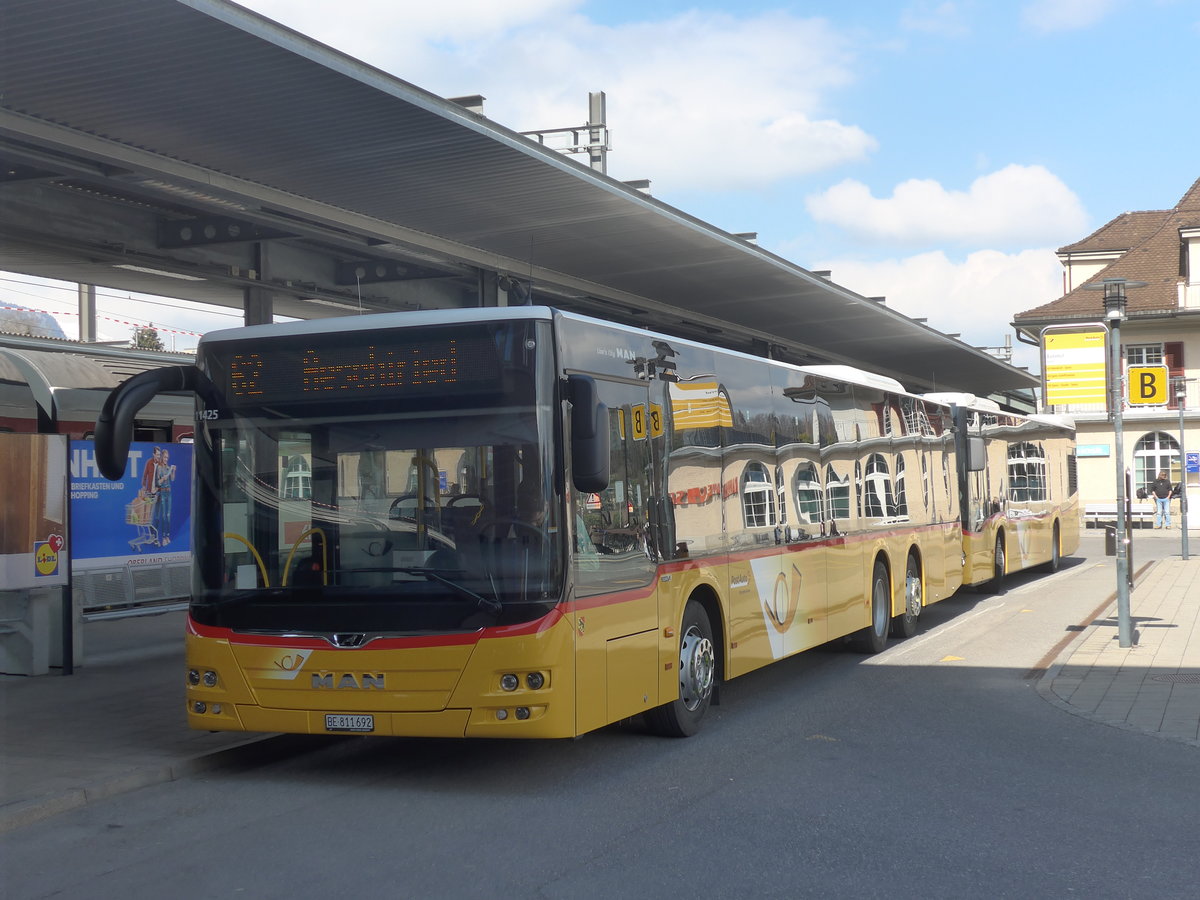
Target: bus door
614,567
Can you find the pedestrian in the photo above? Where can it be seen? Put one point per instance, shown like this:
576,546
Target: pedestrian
1161,489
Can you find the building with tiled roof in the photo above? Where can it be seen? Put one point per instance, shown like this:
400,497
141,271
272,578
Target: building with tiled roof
1160,249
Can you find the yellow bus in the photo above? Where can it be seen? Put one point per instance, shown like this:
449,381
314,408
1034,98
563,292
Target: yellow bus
525,523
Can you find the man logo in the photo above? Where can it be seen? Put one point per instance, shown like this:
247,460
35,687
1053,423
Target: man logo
349,681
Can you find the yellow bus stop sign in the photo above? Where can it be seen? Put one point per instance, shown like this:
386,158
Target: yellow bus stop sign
1148,385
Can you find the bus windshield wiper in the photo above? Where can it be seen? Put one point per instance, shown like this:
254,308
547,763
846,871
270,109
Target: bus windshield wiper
487,604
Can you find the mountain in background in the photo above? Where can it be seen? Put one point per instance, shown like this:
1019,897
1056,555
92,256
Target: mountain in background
17,319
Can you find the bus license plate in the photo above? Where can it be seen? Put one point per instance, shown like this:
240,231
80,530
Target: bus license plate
342,722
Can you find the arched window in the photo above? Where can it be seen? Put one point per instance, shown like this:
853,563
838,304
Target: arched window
758,496
878,502
925,493
837,495
781,494
297,481
901,508
1154,453
1026,472
858,484
809,497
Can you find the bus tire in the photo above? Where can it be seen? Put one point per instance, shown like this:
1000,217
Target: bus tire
873,638
697,678
999,566
1055,553
905,624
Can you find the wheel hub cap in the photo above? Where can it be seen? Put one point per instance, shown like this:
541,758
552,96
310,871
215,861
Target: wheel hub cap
697,664
914,595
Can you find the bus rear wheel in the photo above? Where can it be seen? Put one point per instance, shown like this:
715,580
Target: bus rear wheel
697,677
905,624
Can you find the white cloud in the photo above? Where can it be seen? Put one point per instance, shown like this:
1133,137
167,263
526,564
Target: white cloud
976,298
944,19
696,101
1048,16
1019,205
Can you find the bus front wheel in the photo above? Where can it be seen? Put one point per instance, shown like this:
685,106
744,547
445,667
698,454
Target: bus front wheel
999,566
873,638
1055,552
697,676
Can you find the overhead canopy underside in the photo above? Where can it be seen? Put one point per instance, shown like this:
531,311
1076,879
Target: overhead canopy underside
331,186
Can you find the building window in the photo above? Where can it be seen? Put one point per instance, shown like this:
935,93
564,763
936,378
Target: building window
878,500
809,496
758,496
925,494
1154,453
1144,355
297,480
1026,473
837,494
901,508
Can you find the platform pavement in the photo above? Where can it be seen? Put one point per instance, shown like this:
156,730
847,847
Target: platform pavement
118,723
1154,685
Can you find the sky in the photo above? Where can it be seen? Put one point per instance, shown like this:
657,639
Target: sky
935,153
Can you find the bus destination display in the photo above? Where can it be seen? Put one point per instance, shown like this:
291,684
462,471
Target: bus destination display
396,368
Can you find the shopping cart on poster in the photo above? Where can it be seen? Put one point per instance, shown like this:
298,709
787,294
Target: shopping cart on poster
141,514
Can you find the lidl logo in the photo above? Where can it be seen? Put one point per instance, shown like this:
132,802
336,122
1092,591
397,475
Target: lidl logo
46,554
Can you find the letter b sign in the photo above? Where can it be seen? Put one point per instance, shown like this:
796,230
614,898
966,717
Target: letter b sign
1148,385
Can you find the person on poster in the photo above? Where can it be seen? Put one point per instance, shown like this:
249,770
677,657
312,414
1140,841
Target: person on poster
149,473
164,475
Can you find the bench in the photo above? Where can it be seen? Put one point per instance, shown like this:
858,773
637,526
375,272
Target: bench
1141,514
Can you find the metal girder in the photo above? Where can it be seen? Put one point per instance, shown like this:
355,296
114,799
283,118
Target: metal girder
177,233
375,271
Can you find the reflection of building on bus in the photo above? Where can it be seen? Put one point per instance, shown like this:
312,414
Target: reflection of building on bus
523,523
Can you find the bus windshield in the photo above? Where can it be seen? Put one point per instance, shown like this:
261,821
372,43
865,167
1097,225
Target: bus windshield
378,512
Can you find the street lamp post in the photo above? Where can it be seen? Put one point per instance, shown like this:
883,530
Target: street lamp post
1114,313
1181,399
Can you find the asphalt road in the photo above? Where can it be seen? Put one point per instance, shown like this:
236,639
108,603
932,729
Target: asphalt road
932,770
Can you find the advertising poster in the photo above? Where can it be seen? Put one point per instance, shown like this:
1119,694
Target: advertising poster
143,519
33,516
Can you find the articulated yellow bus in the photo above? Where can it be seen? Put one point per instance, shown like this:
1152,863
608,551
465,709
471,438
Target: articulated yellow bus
525,523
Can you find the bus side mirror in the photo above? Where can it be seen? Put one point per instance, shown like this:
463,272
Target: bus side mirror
589,435
114,425
976,453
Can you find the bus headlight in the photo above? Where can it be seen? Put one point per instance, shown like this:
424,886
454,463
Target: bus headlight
210,678
509,682
193,677
535,680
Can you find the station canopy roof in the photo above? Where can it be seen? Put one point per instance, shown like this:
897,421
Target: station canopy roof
119,119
